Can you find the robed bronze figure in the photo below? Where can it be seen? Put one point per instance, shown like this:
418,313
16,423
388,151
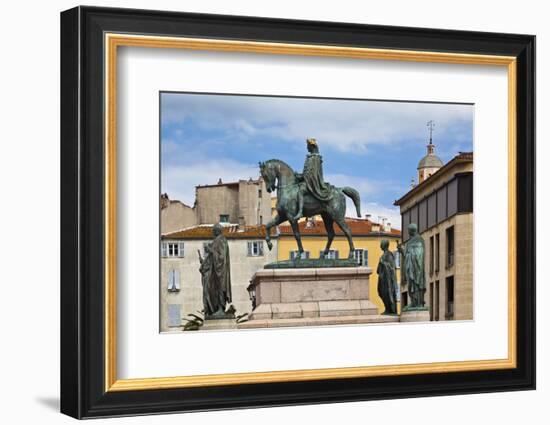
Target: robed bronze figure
412,267
387,280
215,269
307,195
312,180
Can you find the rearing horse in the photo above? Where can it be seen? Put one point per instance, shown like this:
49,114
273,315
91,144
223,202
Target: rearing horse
278,175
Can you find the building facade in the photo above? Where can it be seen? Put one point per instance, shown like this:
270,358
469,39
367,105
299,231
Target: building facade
180,280
366,239
245,202
441,205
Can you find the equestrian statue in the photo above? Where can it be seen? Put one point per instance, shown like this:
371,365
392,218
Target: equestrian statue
306,194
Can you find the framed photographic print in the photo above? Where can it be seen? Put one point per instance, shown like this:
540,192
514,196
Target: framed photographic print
261,212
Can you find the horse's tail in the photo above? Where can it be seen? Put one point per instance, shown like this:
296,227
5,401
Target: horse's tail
354,195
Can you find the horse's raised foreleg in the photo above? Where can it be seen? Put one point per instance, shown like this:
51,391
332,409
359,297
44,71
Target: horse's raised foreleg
345,228
329,226
272,223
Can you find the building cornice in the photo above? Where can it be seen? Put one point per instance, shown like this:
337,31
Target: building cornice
461,158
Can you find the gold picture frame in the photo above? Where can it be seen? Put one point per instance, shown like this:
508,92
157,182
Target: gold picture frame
104,39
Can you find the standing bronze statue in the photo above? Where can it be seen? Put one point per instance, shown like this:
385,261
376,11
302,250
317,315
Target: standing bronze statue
387,280
215,269
307,195
412,267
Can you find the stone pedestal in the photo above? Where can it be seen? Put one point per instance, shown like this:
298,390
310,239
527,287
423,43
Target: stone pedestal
415,315
218,324
313,296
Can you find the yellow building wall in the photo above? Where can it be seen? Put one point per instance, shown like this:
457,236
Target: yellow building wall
315,244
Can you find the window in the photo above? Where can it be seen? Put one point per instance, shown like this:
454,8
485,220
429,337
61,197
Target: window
431,301
450,305
397,257
414,215
442,204
452,197
172,249
174,281
405,220
422,216
432,210
174,315
362,257
398,292
256,249
450,235
436,301
437,253
261,219
260,193
431,255
332,254
224,218
294,254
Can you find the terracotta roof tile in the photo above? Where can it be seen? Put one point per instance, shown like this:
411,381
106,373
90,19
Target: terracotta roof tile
230,232
356,225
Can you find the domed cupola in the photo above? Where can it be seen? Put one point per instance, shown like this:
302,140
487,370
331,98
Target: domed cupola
430,163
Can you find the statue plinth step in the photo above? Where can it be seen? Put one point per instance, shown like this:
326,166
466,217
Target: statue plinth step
318,321
310,309
415,315
312,263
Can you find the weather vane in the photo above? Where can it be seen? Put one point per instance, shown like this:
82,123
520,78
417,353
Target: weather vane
431,125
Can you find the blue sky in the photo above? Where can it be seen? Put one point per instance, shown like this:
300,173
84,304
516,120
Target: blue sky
373,146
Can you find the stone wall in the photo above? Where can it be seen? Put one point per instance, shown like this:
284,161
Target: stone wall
461,270
254,203
189,298
213,201
176,216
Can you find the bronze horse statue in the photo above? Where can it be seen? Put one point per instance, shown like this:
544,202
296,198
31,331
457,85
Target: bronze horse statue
278,175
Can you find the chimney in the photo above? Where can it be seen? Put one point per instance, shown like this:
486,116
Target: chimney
164,201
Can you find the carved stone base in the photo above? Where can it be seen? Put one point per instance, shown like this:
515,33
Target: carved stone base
218,324
220,315
318,321
313,296
415,315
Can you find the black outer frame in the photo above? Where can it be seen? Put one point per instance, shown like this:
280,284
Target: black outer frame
82,212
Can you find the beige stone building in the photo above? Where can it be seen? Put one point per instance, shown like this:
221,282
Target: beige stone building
245,202
180,282
441,204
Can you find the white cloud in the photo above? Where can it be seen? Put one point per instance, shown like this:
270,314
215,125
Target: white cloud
180,181
346,125
363,185
377,212
367,188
